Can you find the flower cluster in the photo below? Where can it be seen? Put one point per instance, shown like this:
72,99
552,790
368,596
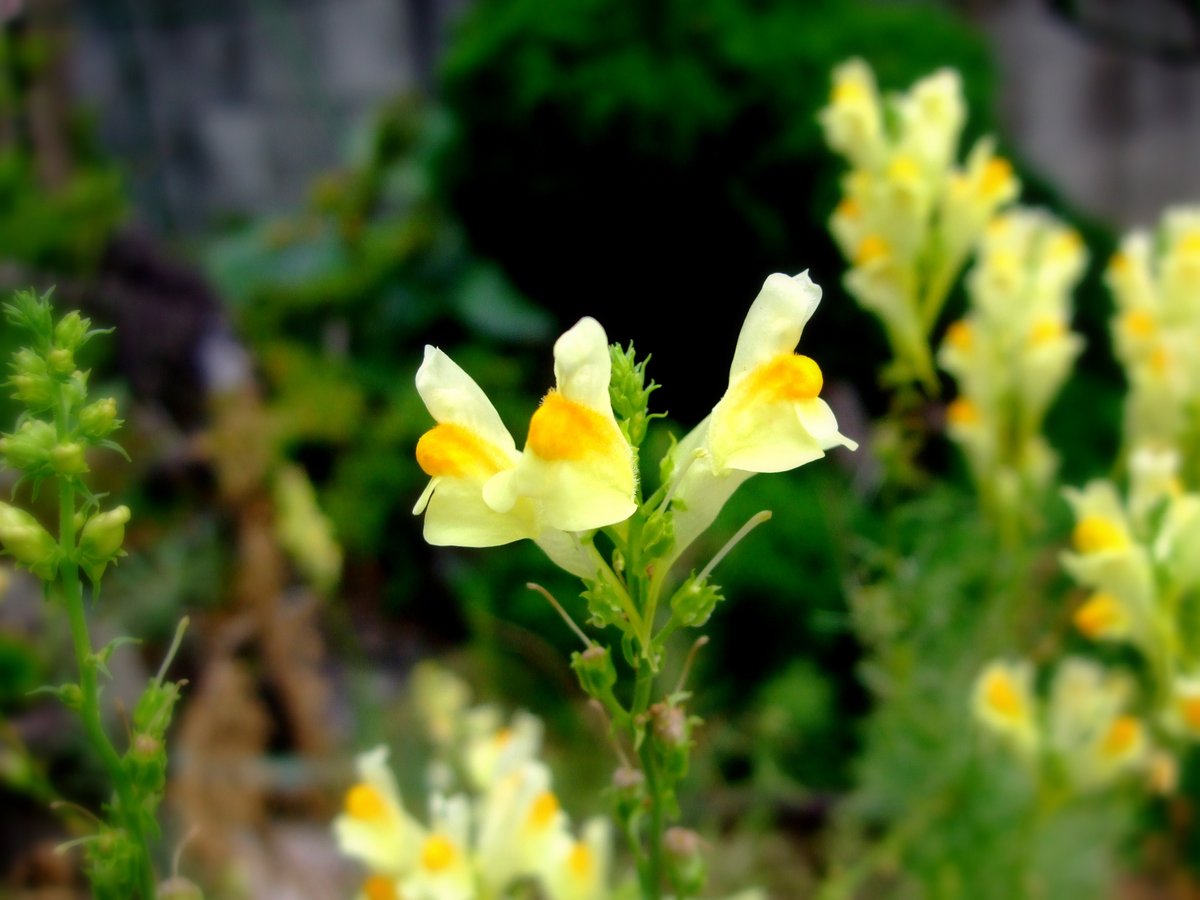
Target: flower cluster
577,476
1081,735
1012,352
911,213
1155,281
577,471
1140,561
504,827
1137,558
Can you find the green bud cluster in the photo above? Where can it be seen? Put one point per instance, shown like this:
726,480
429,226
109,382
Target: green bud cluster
54,435
630,394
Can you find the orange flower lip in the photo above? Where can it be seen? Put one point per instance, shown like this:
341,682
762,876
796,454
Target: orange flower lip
562,429
457,452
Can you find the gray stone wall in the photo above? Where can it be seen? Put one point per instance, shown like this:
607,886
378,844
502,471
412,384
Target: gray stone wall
229,107
220,108
1108,107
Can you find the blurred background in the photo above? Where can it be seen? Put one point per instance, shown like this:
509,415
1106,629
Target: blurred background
277,203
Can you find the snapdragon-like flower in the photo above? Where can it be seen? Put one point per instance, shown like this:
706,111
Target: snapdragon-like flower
374,826
910,215
771,418
505,828
575,474
1003,701
577,466
1083,728
1105,554
1155,282
1012,352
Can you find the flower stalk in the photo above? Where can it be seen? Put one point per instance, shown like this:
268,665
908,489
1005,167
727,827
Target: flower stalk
58,425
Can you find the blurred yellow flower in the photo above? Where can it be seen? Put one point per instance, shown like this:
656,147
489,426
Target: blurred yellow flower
1003,701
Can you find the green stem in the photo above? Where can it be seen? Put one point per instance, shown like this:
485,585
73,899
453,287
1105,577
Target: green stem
652,883
649,855
71,592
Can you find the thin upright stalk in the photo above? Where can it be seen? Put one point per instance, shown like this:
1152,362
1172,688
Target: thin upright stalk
70,592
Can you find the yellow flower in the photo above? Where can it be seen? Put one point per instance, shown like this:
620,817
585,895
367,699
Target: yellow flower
577,869
576,473
853,120
519,821
443,869
577,466
379,887
771,418
373,826
1186,713
1003,702
1102,617
1105,555
467,448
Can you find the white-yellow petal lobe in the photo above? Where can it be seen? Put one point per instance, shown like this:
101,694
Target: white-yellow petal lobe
582,366
775,321
577,466
771,420
373,826
456,515
453,398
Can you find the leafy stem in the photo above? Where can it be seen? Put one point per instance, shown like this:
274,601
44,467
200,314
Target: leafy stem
70,591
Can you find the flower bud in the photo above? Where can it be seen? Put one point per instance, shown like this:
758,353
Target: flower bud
31,380
99,419
101,539
29,448
71,696
685,860
672,731
146,746
694,602
595,670
61,361
28,542
104,532
629,788
71,332
68,459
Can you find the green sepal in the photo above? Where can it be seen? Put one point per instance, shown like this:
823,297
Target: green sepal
694,602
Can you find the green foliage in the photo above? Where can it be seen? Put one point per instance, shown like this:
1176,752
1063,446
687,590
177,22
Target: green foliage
62,230
336,299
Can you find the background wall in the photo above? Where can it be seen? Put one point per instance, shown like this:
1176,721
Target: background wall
230,106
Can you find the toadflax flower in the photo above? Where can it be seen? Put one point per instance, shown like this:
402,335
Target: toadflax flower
577,466
576,472
771,418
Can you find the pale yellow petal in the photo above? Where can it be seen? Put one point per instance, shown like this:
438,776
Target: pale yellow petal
453,397
582,366
578,495
775,321
565,551
457,516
